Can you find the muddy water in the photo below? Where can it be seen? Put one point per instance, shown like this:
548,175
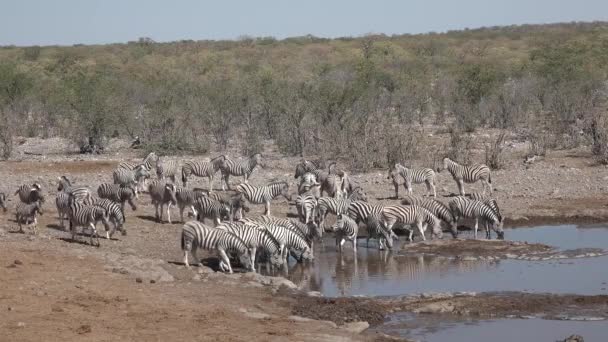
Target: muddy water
443,329
376,273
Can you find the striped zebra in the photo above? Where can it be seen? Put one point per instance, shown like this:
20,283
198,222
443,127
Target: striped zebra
3,201
196,235
309,184
264,193
307,166
255,237
335,206
243,168
412,176
479,211
375,230
335,183
118,194
468,174
411,215
26,212
166,168
346,229
62,202
131,178
187,198
310,232
288,236
80,193
162,193
30,193
206,207
236,202
115,215
87,216
306,205
487,200
442,211
148,162
202,169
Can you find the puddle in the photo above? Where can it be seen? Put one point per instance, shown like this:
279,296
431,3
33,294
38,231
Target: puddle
376,273
443,329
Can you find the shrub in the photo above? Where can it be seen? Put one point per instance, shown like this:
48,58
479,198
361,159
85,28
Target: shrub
494,152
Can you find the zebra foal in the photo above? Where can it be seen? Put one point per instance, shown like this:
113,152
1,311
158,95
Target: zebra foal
346,229
468,174
25,212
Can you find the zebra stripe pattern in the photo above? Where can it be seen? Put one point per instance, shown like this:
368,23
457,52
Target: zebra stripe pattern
196,235
309,232
346,229
375,230
167,169
413,176
202,169
187,198
442,211
468,174
265,193
115,215
128,178
30,193
162,193
289,237
489,201
306,166
25,212
256,237
465,208
118,194
206,207
412,215
147,162
80,194
87,216
239,168
306,205
62,202
236,202
327,205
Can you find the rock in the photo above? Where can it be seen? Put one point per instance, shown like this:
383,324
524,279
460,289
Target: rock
314,294
435,308
152,281
138,280
355,327
17,262
257,315
21,324
574,338
299,319
84,329
196,277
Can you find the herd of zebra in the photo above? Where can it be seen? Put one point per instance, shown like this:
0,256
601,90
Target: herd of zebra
321,191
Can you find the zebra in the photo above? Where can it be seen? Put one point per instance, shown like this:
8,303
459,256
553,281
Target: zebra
87,216
361,211
196,235
236,202
30,193
310,232
327,205
412,215
25,212
289,239
468,174
115,215
128,178
309,184
412,176
307,166
206,207
306,205
186,197
489,201
166,168
255,237
202,169
81,194
265,193
62,202
147,162
243,168
346,229
3,201
118,194
375,230
463,207
437,208
335,183
162,193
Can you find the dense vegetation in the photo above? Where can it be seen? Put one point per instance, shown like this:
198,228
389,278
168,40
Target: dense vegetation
367,99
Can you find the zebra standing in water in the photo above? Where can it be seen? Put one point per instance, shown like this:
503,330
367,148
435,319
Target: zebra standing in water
310,232
375,230
327,205
468,174
202,169
412,215
30,193
255,237
187,198
288,238
265,193
412,176
437,208
346,229
150,160
166,168
115,215
87,216
196,235
118,194
463,207
487,200
239,168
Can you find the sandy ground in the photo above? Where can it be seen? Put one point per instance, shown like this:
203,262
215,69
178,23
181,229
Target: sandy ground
72,291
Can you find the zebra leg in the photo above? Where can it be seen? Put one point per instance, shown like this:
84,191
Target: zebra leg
461,187
169,213
225,260
156,213
181,213
35,226
476,226
396,185
197,260
210,184
355,246
408,187
185,259
194,212
432,184
267,208
422,229
253,252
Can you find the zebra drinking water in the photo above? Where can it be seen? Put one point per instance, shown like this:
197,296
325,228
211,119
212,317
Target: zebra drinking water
479,211
437,208
346,229
412,215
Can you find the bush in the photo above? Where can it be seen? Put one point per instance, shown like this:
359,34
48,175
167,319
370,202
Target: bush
494,152
460,147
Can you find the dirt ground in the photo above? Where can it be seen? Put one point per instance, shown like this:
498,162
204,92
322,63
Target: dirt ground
72,291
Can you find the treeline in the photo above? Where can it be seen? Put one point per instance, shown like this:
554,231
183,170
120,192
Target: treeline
368,100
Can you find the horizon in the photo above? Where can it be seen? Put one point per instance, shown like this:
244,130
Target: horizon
73,22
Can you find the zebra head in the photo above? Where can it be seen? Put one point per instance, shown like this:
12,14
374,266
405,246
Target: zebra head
63,183
307,254
316,230
218,161
300,170
245,259
497,227
276,260
285,191
454,229
129,196
38,208
37,186
256,159
444,165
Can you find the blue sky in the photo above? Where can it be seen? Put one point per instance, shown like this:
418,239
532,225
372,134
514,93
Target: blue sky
67,22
